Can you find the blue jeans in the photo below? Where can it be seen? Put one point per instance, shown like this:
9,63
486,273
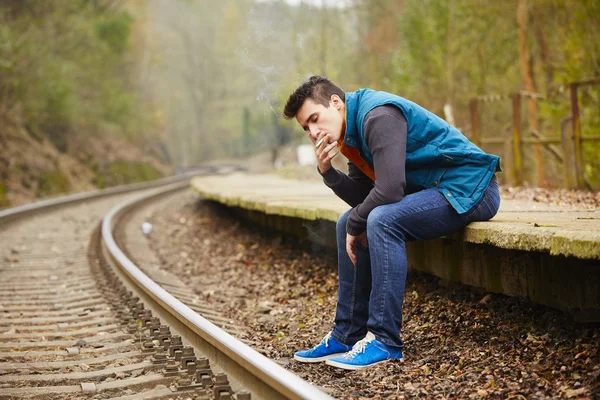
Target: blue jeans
370,295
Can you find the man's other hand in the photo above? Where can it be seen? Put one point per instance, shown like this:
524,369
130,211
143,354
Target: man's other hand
352,243
325,153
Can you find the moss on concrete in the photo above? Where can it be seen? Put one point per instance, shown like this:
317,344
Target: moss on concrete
576,245
507,236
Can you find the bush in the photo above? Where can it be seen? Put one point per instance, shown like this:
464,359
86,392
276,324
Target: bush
123,172
3,200
52,183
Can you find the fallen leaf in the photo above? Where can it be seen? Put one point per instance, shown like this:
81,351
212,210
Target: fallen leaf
575,392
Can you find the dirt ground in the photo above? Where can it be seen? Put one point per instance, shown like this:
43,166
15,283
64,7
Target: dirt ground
460,342
32,168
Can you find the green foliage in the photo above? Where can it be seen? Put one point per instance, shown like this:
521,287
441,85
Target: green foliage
6,39
3,200
99,181
59,100
120,107
52,183
123,172
114,30
66,65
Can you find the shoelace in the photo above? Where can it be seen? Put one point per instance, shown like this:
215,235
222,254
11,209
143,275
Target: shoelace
326,339
359,347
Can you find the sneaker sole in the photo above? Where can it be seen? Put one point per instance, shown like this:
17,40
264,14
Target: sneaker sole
316,359
355,367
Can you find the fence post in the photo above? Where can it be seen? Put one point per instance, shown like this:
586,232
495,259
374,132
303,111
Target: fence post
473,106
508,164
569,151
576,134
517,153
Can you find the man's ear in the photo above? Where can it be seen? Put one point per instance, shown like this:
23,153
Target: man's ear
335,99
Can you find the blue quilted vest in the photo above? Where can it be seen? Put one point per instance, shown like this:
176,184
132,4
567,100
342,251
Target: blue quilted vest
437,154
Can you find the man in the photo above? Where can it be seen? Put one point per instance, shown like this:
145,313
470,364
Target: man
411,176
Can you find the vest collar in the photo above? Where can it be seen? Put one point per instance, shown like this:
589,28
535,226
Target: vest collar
351,135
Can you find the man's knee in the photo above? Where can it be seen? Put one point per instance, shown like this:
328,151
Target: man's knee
377,219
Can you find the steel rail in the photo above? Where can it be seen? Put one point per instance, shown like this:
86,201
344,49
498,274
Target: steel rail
45,205
280,383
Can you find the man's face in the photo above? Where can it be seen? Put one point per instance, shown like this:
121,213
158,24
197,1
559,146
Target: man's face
318,120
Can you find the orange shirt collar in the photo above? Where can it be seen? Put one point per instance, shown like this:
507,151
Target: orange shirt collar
340,141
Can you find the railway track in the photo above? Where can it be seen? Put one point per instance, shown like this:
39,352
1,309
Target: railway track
80,320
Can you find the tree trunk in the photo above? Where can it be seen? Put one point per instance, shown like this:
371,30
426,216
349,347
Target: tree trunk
449,57
545,56
527,75
324,23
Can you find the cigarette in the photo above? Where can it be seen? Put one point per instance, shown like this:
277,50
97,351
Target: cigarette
319,142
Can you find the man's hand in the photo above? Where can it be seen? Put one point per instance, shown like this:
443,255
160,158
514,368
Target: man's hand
325,153
352,242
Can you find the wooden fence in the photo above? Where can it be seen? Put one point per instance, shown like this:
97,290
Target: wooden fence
569,153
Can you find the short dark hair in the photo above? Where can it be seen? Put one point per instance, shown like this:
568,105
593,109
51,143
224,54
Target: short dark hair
317,88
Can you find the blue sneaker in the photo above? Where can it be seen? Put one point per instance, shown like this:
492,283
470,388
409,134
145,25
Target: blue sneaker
365,353
329,347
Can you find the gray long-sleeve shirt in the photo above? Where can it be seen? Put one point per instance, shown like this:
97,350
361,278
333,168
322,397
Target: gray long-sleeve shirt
385,132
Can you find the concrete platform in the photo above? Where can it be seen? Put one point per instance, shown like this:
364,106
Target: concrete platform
508,254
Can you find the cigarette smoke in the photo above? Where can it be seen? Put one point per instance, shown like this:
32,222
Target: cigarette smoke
267,54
